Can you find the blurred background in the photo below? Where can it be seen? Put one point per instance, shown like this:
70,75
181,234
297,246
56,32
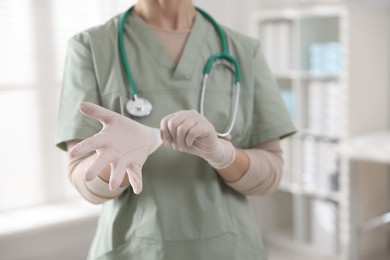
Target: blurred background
331,59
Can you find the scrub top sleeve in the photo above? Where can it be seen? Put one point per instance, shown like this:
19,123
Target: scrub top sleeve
79,84
271,119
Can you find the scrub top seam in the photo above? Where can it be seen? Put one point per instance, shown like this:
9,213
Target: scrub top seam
192,43
155,51
277,131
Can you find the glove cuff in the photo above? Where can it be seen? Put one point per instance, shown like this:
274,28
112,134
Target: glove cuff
227,154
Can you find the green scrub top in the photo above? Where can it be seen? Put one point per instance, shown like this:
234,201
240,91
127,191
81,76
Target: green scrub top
185,210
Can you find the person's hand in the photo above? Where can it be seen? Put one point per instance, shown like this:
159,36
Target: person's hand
190,132
123,143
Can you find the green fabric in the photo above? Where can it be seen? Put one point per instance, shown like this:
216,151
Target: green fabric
185,210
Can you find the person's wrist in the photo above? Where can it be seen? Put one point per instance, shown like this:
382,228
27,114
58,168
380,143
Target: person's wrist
224,156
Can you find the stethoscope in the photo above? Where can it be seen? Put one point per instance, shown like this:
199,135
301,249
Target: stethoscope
141,107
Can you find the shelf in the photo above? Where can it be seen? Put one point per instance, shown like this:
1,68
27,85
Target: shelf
323,11
305,75
373,146
319,194
319,136
328,109
296,14
310,191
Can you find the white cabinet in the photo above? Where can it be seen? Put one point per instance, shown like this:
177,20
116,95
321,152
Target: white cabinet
332,63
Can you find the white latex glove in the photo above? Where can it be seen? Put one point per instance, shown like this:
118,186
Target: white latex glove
123,143
190,132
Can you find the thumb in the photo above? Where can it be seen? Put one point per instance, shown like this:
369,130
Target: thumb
134,174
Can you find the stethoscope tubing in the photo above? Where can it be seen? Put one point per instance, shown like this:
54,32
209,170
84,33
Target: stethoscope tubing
227,133
224,55
123,56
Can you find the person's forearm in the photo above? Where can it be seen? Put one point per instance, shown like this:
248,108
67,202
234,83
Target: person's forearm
255,171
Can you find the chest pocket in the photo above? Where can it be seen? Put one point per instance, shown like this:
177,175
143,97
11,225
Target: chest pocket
219,102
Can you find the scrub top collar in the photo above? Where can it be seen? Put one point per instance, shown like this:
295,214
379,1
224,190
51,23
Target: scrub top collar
135,25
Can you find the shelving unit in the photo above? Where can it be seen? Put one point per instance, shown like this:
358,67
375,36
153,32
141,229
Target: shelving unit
324,58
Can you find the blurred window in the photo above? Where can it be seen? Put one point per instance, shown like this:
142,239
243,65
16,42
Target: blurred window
34,35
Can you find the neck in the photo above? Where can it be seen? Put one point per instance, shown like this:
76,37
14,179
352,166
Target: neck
167,14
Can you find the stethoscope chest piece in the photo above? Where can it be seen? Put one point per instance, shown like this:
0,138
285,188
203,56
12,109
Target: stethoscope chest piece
139,107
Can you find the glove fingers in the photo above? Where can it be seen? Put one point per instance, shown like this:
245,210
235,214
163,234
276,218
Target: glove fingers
86,146
193,133
182,131
135,178
97,166
132,181
137,169
165,134
174,123
118,172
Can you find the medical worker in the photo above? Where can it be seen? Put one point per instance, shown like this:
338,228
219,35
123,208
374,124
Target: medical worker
138,142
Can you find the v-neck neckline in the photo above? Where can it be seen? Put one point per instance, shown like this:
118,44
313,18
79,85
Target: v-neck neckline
184,68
